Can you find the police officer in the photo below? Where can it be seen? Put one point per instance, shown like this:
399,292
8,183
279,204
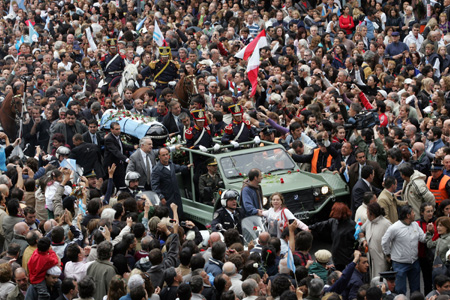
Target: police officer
229,215
238,131
132,184
209,182
438,183
162,71
112,65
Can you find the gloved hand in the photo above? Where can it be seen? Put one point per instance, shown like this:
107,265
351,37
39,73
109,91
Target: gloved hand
257,140
216,147
235,144
203,148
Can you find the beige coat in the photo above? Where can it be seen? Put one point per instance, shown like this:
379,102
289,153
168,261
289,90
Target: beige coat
416,192
374,231
390,205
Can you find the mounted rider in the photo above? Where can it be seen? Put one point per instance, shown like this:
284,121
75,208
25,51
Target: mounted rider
162,71
112,65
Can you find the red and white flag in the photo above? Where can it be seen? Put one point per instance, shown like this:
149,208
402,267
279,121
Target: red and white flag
259,41
253,68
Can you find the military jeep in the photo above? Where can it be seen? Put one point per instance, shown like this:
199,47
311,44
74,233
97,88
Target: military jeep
305,194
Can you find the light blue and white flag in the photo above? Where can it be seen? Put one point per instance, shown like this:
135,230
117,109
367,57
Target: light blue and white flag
290,259
32,33
157,35
47,22
20,42
139,26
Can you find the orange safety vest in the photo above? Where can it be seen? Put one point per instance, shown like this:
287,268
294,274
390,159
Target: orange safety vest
441,193
316,158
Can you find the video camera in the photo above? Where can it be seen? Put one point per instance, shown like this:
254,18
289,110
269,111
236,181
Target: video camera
365,119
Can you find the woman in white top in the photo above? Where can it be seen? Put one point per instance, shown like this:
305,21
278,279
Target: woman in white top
278,216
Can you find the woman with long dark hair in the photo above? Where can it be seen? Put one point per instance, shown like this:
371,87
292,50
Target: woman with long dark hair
341,228
340,54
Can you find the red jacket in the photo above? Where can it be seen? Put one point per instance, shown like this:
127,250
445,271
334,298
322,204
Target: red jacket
346,23
423,246
39,263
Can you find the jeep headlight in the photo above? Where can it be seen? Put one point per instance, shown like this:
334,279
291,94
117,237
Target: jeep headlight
324,190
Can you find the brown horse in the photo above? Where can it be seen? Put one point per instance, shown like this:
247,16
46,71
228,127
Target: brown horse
185,89
139,93
11,107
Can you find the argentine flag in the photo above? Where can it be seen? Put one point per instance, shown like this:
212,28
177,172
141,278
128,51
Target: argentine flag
33,33
139,26
19,42
290,259
157,35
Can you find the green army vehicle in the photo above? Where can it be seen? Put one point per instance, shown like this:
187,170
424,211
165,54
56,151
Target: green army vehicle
305,194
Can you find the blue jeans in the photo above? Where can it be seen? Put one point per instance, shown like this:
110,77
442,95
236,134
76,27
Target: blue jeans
410,271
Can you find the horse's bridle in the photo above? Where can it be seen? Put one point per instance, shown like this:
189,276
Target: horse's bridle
193,80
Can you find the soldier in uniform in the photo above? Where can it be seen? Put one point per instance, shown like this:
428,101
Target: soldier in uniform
209,183
199,137
112,65
229,216
162,71
238,131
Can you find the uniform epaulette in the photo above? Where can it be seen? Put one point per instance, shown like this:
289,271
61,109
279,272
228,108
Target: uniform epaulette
229,129
247,122
177,64
188,133
152,64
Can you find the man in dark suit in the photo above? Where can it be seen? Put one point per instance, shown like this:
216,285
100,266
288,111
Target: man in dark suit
143,160
139,108
346,157
87,155
172,120
114,153
92,135
354,170
94,112
363,185
69,289
69,128
164,181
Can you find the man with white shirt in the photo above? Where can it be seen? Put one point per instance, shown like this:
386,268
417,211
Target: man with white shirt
399,244
230,270
77,265
414,37
65,61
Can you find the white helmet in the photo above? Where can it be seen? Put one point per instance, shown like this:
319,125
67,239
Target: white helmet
62,150
227,195
131,176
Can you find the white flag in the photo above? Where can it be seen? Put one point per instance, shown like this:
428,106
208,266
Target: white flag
90,39
157,35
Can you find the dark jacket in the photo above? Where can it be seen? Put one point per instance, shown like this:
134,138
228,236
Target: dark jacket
358,193
356,281
341,284
342,238
170,260
165,184
89,158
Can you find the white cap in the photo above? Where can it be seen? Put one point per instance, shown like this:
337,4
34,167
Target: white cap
54,271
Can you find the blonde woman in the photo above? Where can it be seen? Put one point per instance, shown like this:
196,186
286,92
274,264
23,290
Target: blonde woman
279,217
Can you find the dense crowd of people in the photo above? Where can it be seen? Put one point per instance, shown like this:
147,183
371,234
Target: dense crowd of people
360,89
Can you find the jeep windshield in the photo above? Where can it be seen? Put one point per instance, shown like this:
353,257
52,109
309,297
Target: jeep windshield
265,160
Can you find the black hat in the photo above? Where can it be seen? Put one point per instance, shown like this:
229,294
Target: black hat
199,115
90,174
112,42
212,162
267,130
436,166
388,275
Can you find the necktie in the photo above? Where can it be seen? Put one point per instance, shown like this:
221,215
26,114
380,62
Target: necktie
148,169
94,139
